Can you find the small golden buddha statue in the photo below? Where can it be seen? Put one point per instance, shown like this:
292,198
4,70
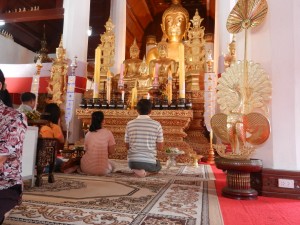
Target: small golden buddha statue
230,58
175,24
132,65
163,63
59,69
144,80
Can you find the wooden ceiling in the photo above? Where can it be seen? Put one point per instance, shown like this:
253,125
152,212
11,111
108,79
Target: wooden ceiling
143,18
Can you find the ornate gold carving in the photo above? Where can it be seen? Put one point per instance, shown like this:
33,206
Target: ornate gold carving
57,84
107,47
195,51
235,96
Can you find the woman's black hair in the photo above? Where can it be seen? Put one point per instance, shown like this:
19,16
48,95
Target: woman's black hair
4,94
51,113
97,119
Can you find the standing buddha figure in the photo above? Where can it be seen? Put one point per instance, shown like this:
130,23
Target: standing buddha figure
175,23
230,57
59,69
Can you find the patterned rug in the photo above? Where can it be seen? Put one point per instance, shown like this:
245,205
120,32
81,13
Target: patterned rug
121,199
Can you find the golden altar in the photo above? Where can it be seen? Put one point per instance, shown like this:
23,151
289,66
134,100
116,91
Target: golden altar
174,124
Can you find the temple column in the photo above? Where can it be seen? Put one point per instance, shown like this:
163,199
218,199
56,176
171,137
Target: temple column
118,16
75,41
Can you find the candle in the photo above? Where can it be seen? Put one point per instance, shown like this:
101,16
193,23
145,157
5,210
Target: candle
97,72
155,75
134,95
181,71
148,96
170,86
123,96
121,79
108,86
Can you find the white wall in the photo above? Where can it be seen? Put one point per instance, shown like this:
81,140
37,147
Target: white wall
275,46
13,53
296,15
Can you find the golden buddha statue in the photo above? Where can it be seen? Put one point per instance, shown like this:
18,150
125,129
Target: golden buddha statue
230,58
107,46
144,82
59,69
163,63
175,23
132,65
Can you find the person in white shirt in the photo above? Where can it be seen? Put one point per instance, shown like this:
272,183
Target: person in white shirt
143,137
28,100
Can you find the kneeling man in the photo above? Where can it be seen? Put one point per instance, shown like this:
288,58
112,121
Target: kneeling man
143,137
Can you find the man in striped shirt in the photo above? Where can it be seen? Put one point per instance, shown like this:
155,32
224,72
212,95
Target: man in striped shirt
143,137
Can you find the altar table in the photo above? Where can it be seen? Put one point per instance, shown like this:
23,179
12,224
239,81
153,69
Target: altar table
174,124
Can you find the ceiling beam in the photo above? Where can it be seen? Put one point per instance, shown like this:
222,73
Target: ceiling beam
27,16
3,4
59,3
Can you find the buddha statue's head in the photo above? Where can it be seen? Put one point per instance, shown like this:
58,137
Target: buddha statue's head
60,51
175,22
162,48
134,50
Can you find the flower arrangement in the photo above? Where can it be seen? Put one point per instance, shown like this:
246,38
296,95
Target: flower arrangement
33,115
174,150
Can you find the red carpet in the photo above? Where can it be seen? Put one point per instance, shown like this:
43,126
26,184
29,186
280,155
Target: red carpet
263,211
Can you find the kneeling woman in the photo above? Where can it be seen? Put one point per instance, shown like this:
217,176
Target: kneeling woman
99,143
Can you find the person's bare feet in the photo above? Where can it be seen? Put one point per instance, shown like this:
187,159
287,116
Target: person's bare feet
140,173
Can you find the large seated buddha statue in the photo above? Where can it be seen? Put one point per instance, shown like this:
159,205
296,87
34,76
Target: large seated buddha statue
175,24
